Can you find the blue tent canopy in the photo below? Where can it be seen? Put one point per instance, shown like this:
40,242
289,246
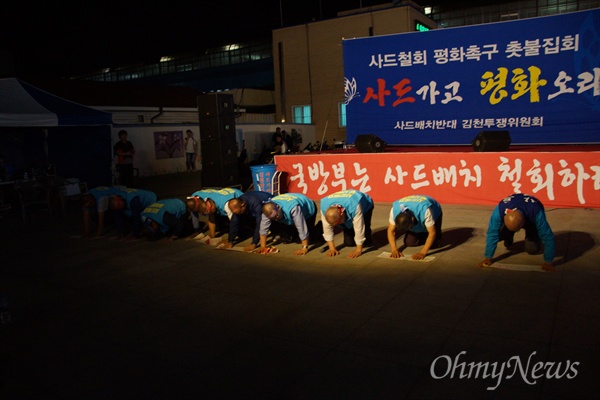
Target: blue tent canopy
24,105
37,127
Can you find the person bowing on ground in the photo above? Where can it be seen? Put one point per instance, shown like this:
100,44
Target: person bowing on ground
213,204
513,213
245,222
352,211
95,204
292,215
419,218
168,218
127,206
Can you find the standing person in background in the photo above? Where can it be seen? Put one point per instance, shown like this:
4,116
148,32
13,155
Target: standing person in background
289,143
124,151
280,146
275,134
191,151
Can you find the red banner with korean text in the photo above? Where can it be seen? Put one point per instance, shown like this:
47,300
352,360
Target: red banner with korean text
558,179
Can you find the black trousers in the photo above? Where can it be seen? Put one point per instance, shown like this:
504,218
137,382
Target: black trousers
349,233
412,239
533,243
290,232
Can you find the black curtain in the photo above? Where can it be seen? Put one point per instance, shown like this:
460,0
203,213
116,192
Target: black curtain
82,152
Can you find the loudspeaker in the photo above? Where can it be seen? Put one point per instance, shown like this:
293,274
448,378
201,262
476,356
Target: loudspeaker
218,152
220,176
491,141
217,128
219,163
369,144
215,105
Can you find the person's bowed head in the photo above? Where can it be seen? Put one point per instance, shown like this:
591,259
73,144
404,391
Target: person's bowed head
237,206
201,206
116,203
335,215
194,204
272,211
514,221
87,201
152,228
153,231
404,221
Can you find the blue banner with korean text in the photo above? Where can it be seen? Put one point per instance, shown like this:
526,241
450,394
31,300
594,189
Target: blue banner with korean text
537,78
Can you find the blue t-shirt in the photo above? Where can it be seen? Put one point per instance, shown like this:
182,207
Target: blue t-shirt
296,208
156,211
219,196
145,198
418,205
289,201
101,195
349,199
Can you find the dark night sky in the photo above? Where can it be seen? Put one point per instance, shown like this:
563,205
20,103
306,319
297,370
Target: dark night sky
48,39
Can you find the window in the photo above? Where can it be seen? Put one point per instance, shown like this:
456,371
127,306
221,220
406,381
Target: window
342,114
301,114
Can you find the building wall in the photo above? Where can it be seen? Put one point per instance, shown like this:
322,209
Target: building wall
154,115
254,137
308,62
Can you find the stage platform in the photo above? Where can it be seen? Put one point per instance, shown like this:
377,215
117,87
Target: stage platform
559,175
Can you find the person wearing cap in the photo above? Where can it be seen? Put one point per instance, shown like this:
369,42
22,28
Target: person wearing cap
168,218
245,221
289,210
352,211
513,213
95,202
419,218
212,203
127,205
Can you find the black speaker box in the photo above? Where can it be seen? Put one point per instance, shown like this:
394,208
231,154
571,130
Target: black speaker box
215,105
217,128
218,152
369,144
491,141
220,176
